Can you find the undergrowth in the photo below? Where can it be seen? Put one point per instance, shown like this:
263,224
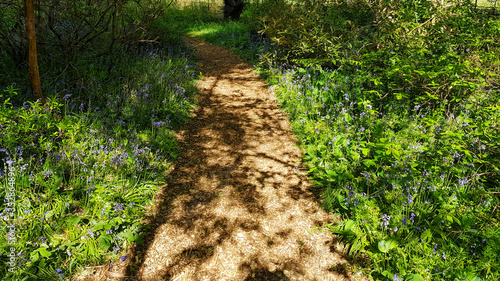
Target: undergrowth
81,171
397,108
398,112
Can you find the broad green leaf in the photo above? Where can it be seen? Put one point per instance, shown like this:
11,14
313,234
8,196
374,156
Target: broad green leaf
466,221
386,246
355,156
369,162
104,242
331,174
348,176
426,234
348,225
388,274
34,256
449,218
116,221
345,230
311,151
139,239
100,225
128,235
340,199
44,252
415,277
396,153
348,117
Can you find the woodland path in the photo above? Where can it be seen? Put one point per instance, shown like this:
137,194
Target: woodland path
236,205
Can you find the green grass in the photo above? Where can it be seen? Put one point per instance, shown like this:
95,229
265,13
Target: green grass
235,35
86,166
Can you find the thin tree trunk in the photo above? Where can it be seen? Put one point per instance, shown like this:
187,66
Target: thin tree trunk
32,54
116,7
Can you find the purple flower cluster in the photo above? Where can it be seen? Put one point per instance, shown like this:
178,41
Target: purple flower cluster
385,220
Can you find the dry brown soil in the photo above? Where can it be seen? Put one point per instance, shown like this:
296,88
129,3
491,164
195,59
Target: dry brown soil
236,205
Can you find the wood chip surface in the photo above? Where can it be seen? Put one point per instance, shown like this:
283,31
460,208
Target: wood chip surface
236,205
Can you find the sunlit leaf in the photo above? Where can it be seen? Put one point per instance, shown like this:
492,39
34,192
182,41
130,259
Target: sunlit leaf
415,277
386,246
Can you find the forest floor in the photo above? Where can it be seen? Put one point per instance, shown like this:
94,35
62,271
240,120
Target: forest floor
237,204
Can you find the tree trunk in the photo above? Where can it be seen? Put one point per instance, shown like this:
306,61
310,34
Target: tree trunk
32,55
114,14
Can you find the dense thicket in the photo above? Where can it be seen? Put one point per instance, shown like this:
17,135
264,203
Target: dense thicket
69,27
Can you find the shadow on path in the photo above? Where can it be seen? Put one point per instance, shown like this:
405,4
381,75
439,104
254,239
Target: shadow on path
236,204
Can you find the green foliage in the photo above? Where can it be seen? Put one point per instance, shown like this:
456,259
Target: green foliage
397,108
176,22
87,164
235,36
302,33
401,133
19,126
411,179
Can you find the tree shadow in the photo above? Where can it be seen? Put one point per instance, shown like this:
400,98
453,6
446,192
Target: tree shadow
218,147
261,275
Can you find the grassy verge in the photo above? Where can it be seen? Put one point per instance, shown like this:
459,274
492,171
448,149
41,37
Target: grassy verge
82,170
416,186
237,36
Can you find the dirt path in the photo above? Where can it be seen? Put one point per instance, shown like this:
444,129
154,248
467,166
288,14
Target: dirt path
236,205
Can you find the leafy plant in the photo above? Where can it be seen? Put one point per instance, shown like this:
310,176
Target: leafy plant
87,164
396,134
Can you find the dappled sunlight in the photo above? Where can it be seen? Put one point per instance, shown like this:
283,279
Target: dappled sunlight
236,205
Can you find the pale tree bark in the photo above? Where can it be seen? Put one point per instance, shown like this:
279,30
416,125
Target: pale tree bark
32,54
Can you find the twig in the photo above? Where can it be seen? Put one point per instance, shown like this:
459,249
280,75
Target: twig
454,231
363,47
475,174
147,40
494,209
420,25
383,96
